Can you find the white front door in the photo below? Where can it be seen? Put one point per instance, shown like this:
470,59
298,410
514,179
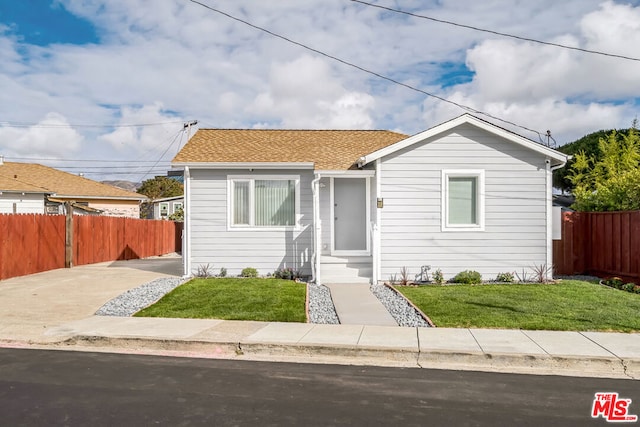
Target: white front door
350,215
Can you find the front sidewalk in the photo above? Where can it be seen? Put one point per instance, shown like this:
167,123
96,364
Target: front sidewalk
591,354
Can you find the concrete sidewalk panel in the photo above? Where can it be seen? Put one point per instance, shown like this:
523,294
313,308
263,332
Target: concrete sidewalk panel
397,337
134,327
625,346
280,333
447,339
505,341
230,331
344,335
566,343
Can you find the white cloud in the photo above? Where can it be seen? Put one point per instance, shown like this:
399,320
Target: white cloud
304,93
50,137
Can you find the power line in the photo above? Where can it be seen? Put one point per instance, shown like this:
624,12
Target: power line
373,73
65,125
484,30
52,159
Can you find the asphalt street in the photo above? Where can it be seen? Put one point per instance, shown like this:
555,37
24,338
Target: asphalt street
54,387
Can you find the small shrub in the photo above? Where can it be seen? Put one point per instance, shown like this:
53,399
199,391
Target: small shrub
524,277
505,277
204,271
438,277
636,289
393,278
404,276
541,273
628,287
286,274
468,277
614,282
223,272
249,272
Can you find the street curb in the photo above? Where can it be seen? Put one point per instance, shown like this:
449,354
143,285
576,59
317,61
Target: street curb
367,356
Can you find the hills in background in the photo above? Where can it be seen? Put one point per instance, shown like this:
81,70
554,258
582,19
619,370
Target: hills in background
125,185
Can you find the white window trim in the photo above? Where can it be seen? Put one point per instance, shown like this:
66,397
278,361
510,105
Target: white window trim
480,199
251,178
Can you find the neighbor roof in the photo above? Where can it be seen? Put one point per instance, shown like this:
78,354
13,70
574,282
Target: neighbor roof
32,177
325,149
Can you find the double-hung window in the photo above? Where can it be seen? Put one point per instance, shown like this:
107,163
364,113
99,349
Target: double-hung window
462,200
263,201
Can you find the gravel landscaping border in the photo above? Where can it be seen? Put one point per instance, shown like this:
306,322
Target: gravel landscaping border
134,300
400,309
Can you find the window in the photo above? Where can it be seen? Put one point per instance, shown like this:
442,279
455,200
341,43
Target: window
462,200
177,206
263,202
164,209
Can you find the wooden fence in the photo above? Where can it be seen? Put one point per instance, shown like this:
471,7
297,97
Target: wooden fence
599,243
34,243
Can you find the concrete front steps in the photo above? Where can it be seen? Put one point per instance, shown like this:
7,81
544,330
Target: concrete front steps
346,269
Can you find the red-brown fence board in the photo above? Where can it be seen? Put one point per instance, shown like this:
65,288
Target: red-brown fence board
600,243
32,243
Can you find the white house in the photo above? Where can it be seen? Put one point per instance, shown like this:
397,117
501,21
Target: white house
348,206
34,188
167,206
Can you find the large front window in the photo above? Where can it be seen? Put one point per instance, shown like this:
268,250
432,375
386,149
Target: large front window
462,200
263,202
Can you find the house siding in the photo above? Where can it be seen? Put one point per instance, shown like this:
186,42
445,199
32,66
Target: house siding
29,203
514,236
214,244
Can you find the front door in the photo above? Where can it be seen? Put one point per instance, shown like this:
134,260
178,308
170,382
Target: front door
350,214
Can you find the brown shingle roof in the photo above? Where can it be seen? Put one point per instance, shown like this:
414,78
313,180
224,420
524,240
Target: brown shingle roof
30,177
327,149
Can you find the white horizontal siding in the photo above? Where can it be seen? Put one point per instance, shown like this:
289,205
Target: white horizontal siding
515,206
213,243
24,204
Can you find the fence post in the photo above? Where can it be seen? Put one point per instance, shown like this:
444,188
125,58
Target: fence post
68,239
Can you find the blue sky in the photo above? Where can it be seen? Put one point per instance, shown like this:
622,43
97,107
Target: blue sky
77,74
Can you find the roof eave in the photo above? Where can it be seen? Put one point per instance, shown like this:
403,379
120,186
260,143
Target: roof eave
71,196
560,158
243,165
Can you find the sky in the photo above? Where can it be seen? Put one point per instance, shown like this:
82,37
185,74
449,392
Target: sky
105,87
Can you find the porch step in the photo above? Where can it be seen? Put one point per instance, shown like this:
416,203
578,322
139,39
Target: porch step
348,269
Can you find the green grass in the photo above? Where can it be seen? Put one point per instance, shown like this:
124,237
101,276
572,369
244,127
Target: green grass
268,300
567,306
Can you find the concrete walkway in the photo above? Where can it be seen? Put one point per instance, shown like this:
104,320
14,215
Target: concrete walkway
356,305
55,309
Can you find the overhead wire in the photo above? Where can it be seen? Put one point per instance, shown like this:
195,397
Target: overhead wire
498,33
365,70
78,125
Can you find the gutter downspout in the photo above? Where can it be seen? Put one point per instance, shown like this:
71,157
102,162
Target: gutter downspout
377,242
549,210
186,233
317,232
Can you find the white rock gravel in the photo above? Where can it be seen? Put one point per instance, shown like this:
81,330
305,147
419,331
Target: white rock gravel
321,308
134,300
403,312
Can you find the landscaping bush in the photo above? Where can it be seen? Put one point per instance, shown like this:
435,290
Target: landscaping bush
438,277
286,273
468,277
505,277
249,272
223,272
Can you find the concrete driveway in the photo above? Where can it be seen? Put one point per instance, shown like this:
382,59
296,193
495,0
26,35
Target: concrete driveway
29,305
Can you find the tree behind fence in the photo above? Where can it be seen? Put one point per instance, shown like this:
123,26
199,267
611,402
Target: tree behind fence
33,243
599,243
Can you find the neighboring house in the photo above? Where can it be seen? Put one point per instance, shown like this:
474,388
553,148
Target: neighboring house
348,206
164,208
34,188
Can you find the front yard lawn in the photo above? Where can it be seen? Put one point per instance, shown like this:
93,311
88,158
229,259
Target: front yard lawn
268,300
570,305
